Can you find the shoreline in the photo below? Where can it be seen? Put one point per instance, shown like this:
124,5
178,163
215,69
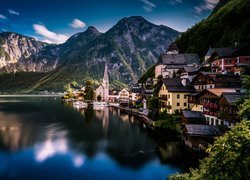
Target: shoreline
30,95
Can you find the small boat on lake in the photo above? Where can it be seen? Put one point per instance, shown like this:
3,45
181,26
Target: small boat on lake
80,104
99,105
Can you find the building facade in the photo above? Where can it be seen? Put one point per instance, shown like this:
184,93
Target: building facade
173,94
103,89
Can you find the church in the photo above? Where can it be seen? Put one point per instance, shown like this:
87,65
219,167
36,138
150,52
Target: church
103,89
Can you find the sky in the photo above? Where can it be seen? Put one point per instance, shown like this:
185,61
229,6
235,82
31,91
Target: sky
54,21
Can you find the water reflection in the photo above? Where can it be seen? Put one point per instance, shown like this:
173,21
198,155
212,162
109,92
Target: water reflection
56,138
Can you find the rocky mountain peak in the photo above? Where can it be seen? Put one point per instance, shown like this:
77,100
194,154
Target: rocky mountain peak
92,31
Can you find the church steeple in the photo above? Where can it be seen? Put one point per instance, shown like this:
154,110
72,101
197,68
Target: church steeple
105,76
106,84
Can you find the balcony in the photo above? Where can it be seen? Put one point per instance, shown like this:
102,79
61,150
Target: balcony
163,98
166,106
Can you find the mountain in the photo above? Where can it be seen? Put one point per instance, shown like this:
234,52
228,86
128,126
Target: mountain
20,53
229,24
129,48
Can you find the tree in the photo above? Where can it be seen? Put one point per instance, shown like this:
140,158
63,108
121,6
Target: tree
245,103
89,91
229,157
99,98
153,105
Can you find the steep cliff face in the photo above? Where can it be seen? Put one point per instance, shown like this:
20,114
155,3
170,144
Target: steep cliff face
129,48
26,54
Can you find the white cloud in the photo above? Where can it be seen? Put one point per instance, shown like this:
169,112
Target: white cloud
13,12
207,5
47,41
174,2
148,6
49,35
76,23
3,17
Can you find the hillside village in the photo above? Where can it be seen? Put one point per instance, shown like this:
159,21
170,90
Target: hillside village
203,95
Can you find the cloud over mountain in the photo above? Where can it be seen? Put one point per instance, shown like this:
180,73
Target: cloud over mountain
76,23
49,35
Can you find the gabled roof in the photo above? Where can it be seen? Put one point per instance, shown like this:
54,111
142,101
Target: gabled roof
231,98
179,59
173,47
218,91
193,114
176,85
202,130
221,52
136,90
218,77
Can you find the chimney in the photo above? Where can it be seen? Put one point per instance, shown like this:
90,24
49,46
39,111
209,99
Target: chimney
184,82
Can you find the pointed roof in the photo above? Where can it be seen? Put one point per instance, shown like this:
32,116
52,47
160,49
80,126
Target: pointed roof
221,52
105,76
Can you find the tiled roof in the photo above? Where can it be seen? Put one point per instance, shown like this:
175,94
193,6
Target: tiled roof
178,59
202,130
218,91
233,97
193,114
222,52
175,85
136,90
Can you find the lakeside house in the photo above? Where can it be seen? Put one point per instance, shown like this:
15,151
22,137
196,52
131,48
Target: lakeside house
198,137
171,62
226,60
206,101
210,80
136,94
189,72
229,109
173,94
192,117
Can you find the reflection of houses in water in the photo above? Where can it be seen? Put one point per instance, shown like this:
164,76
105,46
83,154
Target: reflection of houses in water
103,115
10,137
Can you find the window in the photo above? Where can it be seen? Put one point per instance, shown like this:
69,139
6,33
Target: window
169,96
185,104
178,104
178,96
185,96
212,121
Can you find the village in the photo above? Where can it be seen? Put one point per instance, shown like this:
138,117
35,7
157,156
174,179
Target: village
203,96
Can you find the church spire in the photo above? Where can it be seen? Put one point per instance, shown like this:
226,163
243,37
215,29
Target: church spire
106,77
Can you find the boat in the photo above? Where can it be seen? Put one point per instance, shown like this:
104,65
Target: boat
99,105
80,104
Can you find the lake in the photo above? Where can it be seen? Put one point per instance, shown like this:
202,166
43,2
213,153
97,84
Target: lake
41,138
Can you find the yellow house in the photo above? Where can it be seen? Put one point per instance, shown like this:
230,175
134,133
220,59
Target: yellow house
173,94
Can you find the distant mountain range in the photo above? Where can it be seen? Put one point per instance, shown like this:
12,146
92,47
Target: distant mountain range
129,48
228,25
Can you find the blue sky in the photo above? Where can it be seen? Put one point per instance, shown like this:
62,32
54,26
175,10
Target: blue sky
55,20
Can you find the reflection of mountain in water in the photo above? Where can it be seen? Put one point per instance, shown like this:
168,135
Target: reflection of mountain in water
48,128
106,131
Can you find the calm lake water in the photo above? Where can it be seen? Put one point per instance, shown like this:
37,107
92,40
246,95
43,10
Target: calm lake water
40,138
